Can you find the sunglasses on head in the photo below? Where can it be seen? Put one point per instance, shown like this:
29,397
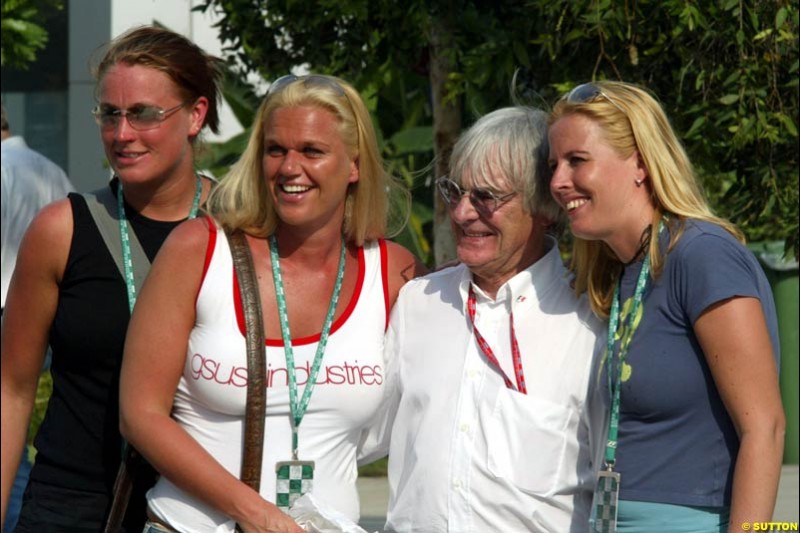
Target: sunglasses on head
589,92
140,117
482,199
309,80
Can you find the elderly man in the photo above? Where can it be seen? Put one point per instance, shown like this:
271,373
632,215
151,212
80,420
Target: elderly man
493,417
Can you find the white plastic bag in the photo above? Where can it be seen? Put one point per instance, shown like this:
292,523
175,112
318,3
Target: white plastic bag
316,517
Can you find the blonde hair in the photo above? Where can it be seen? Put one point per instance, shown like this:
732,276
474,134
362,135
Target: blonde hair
632,120
242,199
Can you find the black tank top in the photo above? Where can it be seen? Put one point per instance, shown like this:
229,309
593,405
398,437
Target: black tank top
78,444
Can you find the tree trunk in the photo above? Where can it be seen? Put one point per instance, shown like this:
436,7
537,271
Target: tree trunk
446,126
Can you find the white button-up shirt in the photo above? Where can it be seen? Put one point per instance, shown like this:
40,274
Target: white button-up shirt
468,454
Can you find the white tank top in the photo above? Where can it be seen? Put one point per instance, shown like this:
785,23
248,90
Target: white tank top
210,399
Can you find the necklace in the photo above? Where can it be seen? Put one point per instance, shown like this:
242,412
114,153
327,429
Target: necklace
298,407
645,242
124,236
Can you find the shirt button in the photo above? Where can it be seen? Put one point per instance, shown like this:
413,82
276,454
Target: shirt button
472,372
464,428
456,483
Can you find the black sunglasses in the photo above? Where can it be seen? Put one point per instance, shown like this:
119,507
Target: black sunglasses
483,200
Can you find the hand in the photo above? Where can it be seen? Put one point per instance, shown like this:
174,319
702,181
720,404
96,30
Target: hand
272,520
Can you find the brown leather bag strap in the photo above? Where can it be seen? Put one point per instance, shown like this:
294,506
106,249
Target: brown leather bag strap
256,406
256,360
123,486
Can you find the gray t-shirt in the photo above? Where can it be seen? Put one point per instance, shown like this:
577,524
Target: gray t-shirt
677,443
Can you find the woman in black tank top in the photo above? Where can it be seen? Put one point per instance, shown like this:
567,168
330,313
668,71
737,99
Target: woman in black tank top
72,290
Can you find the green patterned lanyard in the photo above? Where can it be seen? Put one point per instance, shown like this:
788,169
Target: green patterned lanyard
615,373
299,408
127,261
606,496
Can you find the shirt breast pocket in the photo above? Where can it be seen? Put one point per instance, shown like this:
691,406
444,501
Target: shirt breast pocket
527,441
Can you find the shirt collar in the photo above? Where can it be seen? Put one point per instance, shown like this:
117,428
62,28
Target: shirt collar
526,287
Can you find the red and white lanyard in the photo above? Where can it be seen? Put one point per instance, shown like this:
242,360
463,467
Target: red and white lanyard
487,350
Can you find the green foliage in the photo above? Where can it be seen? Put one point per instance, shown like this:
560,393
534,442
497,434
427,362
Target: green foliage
218,157
726,72
22,32
727,75
43,391
379,468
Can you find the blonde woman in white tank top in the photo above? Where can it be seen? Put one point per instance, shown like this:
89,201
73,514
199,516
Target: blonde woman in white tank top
311,195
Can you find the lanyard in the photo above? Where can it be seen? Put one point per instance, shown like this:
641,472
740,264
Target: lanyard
127,261
298,408
489,353
629,326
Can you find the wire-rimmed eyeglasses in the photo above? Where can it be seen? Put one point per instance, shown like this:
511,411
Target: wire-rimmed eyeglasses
482,199
140,117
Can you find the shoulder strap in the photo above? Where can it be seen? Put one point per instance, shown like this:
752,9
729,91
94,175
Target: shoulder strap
256,360
103,207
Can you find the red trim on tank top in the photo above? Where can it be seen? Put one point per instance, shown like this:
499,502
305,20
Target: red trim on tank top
385,278
212,243
237,304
